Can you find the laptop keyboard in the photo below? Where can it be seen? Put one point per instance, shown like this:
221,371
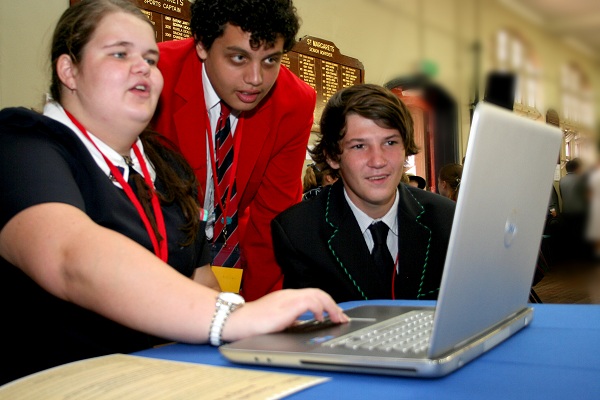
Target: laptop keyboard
405,333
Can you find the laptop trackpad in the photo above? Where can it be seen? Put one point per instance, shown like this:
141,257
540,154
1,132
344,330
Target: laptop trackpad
360,317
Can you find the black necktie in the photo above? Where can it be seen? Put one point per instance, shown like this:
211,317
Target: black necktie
381,254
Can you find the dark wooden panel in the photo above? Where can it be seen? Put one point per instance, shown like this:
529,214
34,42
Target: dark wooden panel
171,18
319,63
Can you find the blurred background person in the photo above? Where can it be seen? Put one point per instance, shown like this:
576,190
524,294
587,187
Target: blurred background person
417,181
316,177
449,180
593,220
573,189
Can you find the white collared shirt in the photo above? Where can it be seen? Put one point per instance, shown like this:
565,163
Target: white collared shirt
390,219
55,111
213,107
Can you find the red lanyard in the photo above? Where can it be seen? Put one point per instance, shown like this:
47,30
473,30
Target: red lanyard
160,249
237,139
394,278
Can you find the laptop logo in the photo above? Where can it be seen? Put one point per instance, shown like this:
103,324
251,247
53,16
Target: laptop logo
510,229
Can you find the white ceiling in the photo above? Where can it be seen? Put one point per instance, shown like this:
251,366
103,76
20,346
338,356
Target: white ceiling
574,21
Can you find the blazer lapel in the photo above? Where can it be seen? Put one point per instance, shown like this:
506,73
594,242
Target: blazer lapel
191,117
254,127
414,243
349,248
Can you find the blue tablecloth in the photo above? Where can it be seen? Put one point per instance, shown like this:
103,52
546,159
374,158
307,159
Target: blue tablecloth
556,357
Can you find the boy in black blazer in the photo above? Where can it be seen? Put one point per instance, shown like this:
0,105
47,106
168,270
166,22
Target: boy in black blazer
328,242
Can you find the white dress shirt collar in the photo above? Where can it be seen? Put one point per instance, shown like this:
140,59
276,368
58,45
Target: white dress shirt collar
55,111
390,219
364,221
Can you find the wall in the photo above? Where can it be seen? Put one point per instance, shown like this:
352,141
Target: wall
25,32
390,37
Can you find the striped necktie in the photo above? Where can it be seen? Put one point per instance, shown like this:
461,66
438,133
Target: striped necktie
225,228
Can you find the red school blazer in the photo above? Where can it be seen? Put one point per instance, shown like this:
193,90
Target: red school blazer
273,148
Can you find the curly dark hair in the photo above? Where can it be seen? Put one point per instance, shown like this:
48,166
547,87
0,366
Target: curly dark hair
369,101
264,19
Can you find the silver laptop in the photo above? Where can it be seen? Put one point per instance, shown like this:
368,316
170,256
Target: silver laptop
496,234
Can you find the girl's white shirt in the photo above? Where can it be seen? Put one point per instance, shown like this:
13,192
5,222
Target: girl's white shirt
56,112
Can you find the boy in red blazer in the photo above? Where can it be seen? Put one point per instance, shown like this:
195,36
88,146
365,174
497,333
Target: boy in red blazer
233,62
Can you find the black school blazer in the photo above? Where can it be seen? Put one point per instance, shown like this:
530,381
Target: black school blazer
318,244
